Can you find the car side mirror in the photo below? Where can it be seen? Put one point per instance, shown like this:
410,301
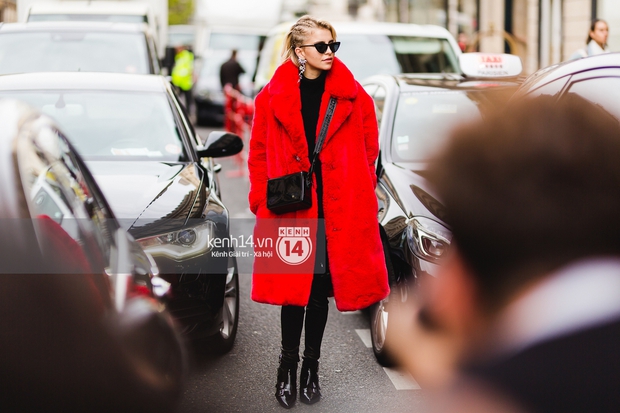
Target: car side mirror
220,144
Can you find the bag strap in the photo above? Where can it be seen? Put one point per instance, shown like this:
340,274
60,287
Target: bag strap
322,133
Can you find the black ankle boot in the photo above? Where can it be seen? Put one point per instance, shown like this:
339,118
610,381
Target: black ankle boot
286,387
310,392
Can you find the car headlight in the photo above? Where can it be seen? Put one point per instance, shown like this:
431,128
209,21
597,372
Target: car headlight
183,244
428,239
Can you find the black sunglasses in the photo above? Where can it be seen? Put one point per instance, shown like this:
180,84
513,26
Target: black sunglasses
322,47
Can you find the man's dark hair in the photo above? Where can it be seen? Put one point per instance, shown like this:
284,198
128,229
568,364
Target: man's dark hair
530,190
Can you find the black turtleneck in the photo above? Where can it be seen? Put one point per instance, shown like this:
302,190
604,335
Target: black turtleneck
311,93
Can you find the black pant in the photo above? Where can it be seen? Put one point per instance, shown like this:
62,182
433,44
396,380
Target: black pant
292,319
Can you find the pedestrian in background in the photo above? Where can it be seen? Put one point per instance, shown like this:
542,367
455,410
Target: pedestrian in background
230,72
596,43
525,315
288,112
463,41
183,74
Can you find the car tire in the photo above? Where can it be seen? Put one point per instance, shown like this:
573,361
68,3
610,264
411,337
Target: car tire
379,312
378,332
224,340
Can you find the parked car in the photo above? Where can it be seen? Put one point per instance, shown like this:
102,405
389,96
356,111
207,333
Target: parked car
594,78
77,47
416,113
213,48
159,179
82,328
153,13
375,48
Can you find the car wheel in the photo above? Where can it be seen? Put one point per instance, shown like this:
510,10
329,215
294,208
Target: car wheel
224,340
379,312
378,332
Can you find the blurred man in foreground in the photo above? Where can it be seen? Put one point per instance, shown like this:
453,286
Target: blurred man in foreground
526,313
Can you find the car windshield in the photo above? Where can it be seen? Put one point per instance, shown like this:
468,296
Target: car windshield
180,39
395,54
423,122
112,125
40,51
230,41
88,17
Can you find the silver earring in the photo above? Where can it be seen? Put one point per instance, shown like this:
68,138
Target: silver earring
302,68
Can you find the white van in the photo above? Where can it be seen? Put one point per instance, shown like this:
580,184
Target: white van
153,13
375,48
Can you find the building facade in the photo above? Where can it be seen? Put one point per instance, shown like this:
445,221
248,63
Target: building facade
541,32
7,11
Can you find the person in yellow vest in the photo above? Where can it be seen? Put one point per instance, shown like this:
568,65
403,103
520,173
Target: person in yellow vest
183,74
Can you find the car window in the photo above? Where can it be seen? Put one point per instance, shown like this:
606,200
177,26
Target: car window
424,121
379,98
72,222
370,89
395,54
597,91
180,38
112,125
229,41
269,57
40,51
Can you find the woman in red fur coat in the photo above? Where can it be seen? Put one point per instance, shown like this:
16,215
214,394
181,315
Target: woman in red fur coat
289,113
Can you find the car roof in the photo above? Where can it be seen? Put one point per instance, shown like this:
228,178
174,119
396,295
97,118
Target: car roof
446,81
392,29
551,73
74,26
89,7
82,81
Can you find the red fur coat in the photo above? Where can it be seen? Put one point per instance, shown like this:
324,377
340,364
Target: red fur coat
278,147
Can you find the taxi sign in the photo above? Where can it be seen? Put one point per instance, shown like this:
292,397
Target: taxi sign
490,65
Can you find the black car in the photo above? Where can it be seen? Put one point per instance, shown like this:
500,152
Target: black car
594,78
154,171
77,47
81,321
416,114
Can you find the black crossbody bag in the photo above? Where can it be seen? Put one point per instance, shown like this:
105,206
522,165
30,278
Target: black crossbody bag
293,192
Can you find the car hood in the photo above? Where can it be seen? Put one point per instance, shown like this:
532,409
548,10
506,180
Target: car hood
143,193
412,192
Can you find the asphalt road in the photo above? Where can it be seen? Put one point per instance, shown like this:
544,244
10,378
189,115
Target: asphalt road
244,379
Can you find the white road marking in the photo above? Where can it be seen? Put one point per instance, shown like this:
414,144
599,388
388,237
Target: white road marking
365,336
402,380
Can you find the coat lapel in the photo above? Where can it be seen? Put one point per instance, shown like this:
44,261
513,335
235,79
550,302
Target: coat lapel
340,84
341,113
286,101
